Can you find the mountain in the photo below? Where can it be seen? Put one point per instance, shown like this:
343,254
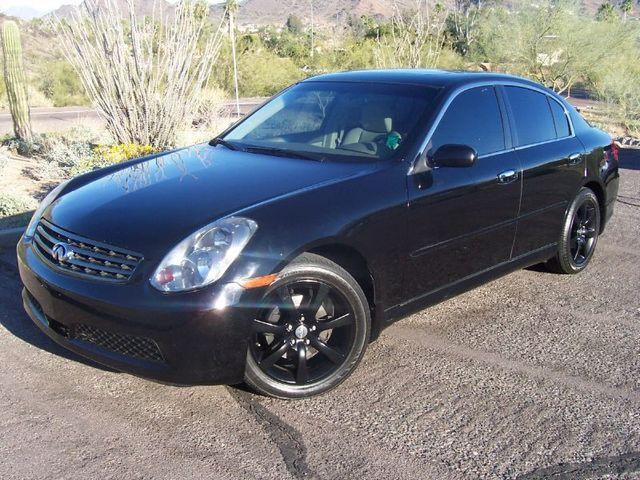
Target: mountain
276,12
142,8
24,12
328,12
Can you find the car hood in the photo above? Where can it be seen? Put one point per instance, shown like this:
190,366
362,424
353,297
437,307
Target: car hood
149,206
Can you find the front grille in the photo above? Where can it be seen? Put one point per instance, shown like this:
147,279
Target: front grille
72,253
132,346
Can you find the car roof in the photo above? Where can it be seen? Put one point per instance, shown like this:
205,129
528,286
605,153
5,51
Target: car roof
434,78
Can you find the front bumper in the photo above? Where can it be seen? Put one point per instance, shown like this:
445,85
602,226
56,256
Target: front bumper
180,338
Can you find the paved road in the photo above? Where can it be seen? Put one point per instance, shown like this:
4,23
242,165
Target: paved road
50,119
532,376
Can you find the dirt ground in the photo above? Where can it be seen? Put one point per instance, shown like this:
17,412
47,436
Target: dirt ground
534,375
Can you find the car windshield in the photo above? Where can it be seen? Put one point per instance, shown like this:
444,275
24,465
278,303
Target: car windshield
336,120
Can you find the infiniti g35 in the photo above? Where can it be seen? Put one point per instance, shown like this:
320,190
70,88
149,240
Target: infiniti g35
275,253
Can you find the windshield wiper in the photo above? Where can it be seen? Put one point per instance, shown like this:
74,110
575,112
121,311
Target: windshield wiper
281,152
223,142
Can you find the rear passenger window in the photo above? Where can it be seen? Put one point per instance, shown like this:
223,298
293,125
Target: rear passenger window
560,119
472,119
532,115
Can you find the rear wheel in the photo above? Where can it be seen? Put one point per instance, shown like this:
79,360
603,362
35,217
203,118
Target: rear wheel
579,234
311,332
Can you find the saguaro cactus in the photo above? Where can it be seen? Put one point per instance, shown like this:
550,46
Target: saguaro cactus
15,79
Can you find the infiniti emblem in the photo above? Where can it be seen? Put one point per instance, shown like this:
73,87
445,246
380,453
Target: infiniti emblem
61,252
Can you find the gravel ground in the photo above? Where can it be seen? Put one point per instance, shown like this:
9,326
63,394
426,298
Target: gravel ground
532,376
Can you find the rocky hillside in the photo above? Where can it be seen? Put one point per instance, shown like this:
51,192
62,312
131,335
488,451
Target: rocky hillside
324,12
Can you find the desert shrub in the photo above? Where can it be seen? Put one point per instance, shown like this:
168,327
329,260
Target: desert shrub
104,155
37,98
262,73
144,77
26,148
61,156
121,152
15,210
621,90
61,84
213,117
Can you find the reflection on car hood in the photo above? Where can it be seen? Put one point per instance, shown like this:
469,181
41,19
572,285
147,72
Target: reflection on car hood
151,205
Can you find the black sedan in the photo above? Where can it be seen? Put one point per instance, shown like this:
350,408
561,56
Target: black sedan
275,253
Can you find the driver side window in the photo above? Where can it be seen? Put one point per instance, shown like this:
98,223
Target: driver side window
473,119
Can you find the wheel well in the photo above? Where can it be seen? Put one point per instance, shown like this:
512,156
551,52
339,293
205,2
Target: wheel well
353,262
597,189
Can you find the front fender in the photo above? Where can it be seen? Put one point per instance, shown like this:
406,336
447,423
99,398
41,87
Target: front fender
366,213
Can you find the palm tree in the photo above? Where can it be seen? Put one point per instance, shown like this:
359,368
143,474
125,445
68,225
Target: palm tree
231,8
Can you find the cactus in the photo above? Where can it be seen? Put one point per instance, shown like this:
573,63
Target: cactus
15,80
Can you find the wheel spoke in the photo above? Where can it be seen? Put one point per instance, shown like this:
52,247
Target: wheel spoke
302,373
574,244
577,254
260,326
590,233
583,215
285,303
331,353
274,354
338,322
314,301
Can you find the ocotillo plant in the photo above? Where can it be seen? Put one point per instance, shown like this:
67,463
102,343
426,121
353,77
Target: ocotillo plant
15,79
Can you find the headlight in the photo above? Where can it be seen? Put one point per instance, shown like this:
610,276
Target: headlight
203,257
33,223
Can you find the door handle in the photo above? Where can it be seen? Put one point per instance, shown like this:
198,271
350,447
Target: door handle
574,159
507,176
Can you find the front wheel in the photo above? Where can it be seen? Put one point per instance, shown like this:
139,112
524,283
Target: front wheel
579,234
312,330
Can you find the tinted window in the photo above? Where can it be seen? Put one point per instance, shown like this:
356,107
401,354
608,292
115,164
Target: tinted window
532,115
560,119
472,119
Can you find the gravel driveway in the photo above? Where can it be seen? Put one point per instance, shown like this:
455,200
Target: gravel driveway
532,376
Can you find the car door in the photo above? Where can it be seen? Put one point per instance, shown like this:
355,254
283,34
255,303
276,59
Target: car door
462,220
552,159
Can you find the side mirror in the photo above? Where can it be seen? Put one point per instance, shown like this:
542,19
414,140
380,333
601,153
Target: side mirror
454,156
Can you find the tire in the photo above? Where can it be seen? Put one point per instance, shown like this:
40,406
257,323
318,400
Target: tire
579,234
316,320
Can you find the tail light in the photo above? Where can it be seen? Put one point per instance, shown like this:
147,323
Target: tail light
613,151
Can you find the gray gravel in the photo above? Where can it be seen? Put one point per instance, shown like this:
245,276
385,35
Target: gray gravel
532,376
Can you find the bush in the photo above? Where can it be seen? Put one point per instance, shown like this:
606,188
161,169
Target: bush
15,210
122,152
21,147
263,73
61,84
62,154
104,155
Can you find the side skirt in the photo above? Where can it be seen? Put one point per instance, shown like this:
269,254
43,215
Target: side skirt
465,284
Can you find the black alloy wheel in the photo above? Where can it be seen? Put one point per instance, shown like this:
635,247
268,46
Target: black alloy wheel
311,331
583,233
579,234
